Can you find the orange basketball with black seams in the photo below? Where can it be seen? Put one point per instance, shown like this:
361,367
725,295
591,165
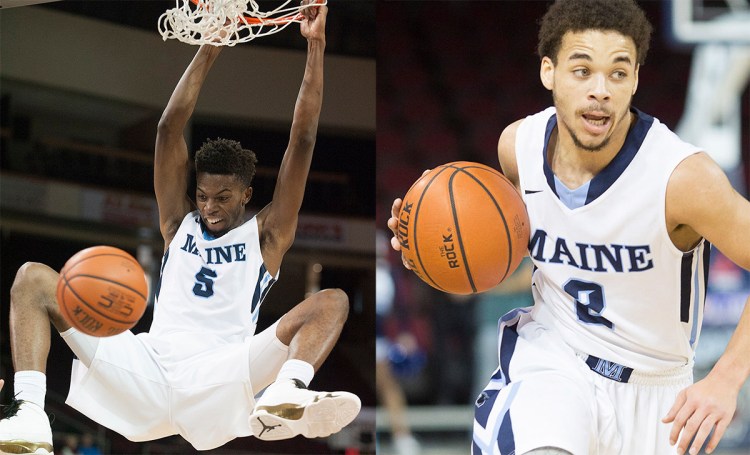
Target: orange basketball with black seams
102,291
463,228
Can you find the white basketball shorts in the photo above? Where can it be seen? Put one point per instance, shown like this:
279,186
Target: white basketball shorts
194,385
544,394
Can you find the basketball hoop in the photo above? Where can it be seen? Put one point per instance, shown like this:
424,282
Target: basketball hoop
227,22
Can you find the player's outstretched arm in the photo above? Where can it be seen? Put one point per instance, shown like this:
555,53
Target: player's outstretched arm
171,160
278,220
715,211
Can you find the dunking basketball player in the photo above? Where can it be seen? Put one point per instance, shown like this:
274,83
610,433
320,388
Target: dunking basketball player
195,373
622,212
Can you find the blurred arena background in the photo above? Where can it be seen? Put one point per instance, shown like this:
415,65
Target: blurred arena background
83,85
450,77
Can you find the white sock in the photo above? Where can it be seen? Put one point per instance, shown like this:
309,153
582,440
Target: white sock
296,369
30,386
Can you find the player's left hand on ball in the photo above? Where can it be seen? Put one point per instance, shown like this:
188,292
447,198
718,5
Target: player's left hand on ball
707,405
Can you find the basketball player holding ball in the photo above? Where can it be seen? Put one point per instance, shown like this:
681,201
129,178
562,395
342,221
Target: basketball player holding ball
195,373
622,216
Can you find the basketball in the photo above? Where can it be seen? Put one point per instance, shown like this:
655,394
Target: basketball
463,228
102,291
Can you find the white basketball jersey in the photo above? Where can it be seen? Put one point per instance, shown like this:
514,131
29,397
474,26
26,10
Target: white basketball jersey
607,276
211,285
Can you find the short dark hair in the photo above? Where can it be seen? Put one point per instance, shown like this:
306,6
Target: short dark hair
226,157
622,16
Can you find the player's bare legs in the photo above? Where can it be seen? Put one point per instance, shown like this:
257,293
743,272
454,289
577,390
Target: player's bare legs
32,307
287,408
312,328
26,428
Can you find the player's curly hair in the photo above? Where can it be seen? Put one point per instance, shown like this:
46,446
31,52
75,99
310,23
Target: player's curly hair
622,16
226,157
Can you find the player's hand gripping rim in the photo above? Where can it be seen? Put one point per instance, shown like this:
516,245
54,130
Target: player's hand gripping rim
313,25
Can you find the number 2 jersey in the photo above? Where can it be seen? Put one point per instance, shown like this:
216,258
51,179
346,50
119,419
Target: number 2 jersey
606,275
211,286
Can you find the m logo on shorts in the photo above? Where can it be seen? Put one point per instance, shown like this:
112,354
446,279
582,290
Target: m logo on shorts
611,370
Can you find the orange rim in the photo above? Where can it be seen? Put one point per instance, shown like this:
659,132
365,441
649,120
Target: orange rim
259,21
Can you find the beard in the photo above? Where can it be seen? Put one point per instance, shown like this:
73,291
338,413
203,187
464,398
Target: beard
593,148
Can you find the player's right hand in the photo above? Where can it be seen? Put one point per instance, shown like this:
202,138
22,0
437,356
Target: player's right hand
393,226
393,223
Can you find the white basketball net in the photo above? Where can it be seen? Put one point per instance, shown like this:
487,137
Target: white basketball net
226,22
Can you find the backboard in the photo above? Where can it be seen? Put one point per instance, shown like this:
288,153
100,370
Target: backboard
704,21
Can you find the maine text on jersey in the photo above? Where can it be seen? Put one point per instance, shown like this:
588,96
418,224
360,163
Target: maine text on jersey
218,254
594,258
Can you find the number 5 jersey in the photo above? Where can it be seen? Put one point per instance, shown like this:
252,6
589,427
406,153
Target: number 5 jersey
211,285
